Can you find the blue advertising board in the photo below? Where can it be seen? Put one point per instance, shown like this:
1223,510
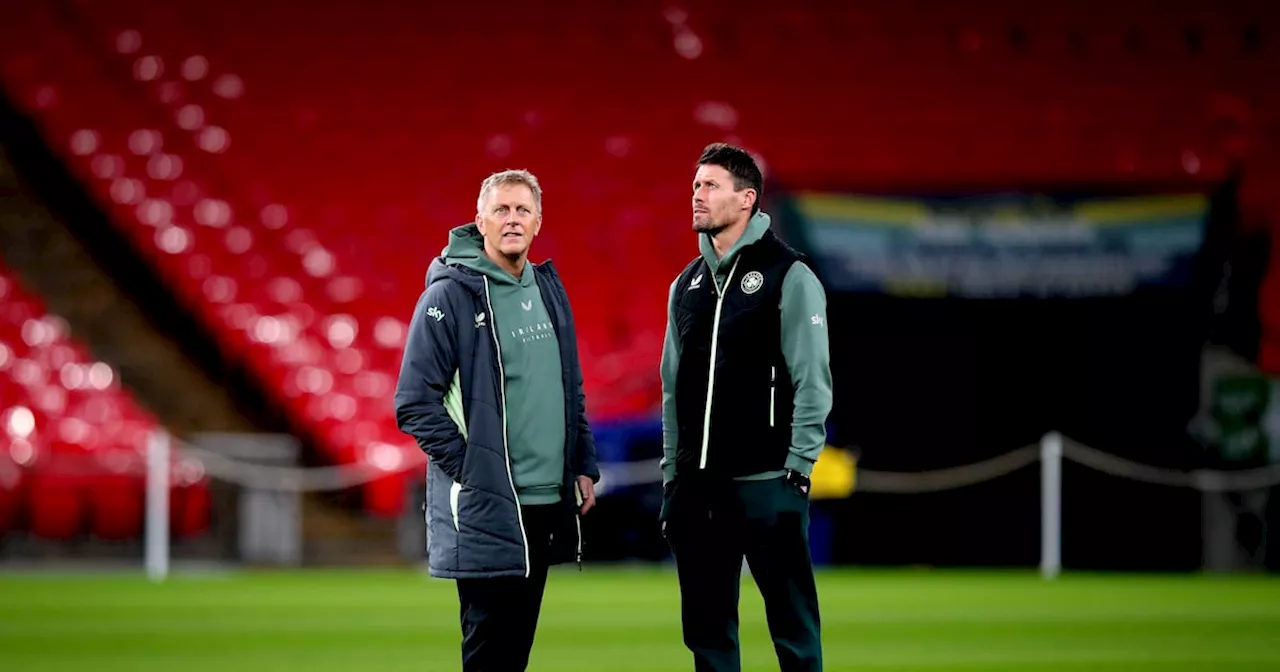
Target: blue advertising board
1000,246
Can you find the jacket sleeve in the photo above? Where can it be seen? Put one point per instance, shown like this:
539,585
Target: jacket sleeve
587,464
806,348
586,440
426,375
670,365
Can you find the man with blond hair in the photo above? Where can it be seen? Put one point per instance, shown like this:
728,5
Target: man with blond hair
491,389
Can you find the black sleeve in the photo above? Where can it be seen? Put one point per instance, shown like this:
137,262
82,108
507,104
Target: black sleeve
426,373
586,440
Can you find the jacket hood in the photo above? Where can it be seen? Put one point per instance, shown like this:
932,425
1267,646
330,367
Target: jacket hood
756,227
465,250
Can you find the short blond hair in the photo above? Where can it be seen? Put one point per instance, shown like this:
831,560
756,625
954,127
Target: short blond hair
508,177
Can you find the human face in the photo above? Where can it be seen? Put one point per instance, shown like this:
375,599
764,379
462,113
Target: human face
509,221
716,204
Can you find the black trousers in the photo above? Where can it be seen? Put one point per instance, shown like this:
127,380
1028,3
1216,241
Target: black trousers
710,527
500,616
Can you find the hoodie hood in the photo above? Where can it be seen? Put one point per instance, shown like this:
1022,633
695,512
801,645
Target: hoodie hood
466,249
756,226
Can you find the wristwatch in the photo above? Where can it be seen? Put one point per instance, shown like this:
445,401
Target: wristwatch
798,479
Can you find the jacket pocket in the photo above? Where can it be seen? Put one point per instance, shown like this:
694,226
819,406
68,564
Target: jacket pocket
668,492
454,491
443,535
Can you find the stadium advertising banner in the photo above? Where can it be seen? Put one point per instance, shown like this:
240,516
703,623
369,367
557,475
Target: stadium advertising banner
1002,246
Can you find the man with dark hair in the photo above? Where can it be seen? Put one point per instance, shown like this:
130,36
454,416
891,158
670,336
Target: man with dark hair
746,389
491,389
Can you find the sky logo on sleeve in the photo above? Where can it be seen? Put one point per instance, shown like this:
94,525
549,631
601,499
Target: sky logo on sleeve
436,313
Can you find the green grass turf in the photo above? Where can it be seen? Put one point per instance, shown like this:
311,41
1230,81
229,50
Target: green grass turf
628,619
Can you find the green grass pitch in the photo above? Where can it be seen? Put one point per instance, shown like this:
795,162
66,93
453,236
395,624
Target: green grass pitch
628,619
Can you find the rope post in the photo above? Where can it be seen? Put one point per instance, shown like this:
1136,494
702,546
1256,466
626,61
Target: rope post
1051,505
157,520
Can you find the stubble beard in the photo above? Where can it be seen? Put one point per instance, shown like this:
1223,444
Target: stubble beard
707,225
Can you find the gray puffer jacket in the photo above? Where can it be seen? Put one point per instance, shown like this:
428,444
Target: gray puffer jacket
450,398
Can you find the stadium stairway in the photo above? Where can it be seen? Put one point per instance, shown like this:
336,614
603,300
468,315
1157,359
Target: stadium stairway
55,241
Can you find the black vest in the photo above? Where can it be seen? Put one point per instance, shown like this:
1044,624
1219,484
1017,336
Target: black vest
750,396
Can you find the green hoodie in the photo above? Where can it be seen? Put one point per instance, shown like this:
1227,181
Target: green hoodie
804,345
531,364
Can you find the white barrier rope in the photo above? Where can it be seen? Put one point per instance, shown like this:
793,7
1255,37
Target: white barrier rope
380,460
192,463
1205,480
202,461
949,478
294,479
644,472
648,471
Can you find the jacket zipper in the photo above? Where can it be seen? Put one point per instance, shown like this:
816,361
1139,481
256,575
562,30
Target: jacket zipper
711,367
577,521
502,391
577,518
773,377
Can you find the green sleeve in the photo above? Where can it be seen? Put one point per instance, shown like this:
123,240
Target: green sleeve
670,365
805,346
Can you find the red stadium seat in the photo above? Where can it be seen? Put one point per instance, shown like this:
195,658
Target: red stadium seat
11,483
292,171
116,506
70,438
55,506
190,506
